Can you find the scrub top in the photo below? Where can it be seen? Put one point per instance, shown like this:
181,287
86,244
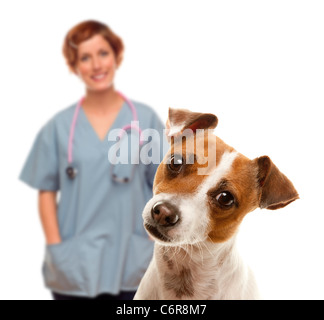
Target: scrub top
104,247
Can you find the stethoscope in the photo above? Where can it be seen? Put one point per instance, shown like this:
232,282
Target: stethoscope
72,171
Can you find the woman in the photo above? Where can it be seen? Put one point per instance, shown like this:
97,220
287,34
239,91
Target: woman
96,247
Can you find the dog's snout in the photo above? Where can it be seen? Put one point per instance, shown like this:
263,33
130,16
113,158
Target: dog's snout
164,214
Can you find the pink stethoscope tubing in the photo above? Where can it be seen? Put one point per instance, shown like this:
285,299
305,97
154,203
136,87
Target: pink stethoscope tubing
122,131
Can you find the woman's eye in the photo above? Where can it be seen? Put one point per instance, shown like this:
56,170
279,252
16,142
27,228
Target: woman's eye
225,199
176,163
104,53
84,58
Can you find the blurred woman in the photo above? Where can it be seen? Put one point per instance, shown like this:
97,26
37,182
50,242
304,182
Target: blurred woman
96,246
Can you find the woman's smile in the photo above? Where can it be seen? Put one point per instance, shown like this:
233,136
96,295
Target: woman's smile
99,77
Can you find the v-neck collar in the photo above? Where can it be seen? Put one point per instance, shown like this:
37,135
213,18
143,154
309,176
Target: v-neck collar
114,125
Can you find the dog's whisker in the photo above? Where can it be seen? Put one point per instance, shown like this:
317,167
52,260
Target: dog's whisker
185,249
174,250
206,246
191,252
201,252
185,252
188,245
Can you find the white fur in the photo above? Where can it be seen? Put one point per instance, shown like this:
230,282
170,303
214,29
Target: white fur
220,172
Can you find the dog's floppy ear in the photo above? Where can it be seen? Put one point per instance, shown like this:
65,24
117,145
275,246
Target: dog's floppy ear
277,191
182,119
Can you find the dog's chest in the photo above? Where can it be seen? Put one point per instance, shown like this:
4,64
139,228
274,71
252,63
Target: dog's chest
184,277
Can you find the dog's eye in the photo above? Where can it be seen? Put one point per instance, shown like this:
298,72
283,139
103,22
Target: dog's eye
176,163
225,199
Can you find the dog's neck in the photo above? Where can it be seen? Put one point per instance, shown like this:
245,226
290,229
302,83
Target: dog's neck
198,271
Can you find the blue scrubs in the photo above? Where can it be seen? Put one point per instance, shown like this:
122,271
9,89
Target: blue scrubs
104,247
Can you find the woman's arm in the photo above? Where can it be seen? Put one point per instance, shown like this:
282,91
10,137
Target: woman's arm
48,216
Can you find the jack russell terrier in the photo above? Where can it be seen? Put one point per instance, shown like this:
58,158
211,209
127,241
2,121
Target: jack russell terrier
194,218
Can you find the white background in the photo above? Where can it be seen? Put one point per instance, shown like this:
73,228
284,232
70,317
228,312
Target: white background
258,65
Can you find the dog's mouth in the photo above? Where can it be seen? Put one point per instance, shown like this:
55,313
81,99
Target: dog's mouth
156,233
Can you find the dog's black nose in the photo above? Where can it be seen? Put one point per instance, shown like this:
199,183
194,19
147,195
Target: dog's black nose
165,214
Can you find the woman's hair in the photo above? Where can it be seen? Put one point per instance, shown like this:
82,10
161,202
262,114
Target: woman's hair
84,31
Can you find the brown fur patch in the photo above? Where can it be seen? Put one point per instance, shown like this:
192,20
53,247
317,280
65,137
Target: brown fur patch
181,284
277,190
167,260
192,120
241,182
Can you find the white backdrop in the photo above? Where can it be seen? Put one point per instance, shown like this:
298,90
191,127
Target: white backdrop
258,65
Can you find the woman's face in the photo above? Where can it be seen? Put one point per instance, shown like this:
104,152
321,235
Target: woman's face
96,63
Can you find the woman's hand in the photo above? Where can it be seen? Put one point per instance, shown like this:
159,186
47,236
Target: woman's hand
48,216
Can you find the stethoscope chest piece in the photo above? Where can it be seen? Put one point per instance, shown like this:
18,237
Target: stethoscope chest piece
119,180
71,172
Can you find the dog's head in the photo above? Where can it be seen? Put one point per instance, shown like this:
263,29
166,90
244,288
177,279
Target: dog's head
204,188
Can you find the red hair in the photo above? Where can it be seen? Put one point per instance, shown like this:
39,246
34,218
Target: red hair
84,31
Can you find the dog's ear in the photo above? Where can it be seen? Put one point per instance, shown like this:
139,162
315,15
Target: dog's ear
277,191
182,119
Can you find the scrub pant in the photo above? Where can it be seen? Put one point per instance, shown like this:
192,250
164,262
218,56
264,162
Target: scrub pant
129,295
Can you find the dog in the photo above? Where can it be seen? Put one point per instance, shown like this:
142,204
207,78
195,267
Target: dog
194,218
